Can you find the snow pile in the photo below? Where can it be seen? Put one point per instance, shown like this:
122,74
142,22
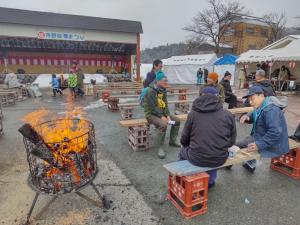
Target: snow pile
43,80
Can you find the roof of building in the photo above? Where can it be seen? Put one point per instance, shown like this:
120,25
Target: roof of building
282,42
35,18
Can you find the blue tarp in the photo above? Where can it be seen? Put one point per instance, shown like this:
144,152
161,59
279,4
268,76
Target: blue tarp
226,60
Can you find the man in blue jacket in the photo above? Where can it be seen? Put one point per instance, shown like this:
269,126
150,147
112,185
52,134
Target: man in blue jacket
269,135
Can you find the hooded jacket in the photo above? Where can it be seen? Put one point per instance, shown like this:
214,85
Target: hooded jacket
267,86
150,101
270,130
208,132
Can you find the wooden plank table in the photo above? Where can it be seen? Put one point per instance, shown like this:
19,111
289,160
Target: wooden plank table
185,168
234,111
169,102
140,122
171,94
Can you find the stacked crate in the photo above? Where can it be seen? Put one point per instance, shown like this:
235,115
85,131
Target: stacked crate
189,193
182,108
127,113
288,164
113,104
138,137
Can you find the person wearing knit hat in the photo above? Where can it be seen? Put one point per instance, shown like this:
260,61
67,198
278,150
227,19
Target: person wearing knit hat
157,113
230,98
212,81
208,133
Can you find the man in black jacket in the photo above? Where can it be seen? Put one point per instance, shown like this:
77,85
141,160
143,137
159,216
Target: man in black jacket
266,85
208,133
230,98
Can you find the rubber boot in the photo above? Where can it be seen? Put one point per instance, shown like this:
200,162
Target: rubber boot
173,136
159,142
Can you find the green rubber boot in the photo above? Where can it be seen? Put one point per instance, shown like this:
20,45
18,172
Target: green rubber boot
173,136
159,142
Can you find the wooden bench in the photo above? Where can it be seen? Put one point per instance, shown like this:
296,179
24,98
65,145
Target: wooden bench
137,96
188,184
127,108
142,124
235,111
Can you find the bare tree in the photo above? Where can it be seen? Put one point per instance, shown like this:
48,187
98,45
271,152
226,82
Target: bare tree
213,22
277,23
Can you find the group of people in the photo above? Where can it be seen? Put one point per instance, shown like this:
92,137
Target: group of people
210,130
74,82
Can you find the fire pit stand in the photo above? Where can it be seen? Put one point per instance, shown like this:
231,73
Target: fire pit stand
62,159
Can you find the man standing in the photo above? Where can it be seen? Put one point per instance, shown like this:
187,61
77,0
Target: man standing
230,98
205,75
199,76
242,78
212,81
157,66
208,133
157,113
269,135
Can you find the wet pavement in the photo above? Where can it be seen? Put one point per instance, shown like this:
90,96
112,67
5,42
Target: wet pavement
137,183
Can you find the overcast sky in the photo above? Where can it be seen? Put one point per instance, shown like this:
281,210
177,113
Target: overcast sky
162,20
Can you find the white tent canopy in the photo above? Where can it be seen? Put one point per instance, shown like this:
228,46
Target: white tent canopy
183,69
290,52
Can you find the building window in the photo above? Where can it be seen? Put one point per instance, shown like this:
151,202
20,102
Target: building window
264,32
229,32
251,47
250,30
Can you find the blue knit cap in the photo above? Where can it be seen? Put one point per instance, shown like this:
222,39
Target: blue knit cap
209,90
159,75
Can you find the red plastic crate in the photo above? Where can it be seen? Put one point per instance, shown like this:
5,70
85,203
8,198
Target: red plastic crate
189,194
288,164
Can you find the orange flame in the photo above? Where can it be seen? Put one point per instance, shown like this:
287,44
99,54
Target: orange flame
62,135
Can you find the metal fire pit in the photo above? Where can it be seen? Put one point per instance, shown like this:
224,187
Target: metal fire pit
61,164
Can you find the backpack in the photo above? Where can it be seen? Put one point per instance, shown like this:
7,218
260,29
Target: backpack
142,96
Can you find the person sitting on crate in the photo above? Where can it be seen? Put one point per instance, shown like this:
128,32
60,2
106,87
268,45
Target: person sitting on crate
208,133
269,135
212,81
157,113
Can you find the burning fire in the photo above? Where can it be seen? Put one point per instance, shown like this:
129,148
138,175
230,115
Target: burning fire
66,138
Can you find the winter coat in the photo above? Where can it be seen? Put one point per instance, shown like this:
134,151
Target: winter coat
149,78
208,132
151,107
55,82
270,130
267,86
227,87
72,80
220,89
80,78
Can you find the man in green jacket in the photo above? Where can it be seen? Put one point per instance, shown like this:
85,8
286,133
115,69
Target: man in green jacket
157,113
212,81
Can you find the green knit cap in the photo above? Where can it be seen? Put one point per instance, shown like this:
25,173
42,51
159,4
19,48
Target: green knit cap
159,75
